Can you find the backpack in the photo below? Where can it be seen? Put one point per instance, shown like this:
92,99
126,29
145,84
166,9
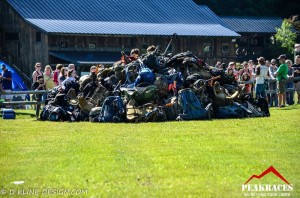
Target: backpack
171,111
94,113
147,112
191,79
46,111
176,76
262,103
71,85
59,100
145,76
150,60
141,95
162,85
112,110
130,73
98,95
190,106
53,113
229,111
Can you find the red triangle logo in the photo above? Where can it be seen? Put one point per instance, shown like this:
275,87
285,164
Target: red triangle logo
271,169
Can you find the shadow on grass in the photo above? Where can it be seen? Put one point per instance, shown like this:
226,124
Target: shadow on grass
292,107
25,114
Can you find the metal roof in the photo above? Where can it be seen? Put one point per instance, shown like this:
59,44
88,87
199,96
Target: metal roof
157,17
84,57
253,24
127,28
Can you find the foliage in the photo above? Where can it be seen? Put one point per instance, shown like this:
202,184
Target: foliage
294,20
181,159
286,36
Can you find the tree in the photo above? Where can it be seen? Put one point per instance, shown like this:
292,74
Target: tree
286,36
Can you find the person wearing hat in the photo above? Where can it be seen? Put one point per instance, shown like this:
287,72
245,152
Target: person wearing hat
261,75
273,100
296,68
6,78
281,76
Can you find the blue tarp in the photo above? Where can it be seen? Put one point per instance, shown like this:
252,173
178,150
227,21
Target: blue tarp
17,82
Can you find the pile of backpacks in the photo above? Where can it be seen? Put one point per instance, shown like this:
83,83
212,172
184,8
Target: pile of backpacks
153,88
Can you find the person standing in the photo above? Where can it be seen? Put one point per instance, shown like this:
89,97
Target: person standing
296,68
252,67
6,78
38,85
37,72
70,82
62,75
233,66
272,85
56,74
73,67
290,85
262,74
245,69
281,76
48,78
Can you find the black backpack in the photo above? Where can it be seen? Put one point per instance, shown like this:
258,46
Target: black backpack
112,110
191,108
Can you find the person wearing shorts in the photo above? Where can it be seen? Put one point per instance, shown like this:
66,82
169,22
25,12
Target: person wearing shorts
281,76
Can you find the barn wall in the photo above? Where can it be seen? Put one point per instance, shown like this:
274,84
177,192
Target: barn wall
111,43
24,44
20,45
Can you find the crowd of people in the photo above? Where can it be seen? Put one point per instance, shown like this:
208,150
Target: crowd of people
65,77
265,70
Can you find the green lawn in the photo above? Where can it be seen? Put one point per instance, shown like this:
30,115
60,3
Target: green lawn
171,159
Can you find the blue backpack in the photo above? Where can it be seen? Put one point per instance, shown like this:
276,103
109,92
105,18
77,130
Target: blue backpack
145,76
112,110
191,108
176,76
229,111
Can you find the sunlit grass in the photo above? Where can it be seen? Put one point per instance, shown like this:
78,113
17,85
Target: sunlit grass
195,158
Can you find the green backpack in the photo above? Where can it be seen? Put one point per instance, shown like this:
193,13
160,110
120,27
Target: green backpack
141,95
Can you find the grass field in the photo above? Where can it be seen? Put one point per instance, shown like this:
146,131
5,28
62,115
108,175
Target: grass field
172,159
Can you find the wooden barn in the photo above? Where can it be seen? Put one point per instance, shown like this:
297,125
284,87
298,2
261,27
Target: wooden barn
256,34
93,32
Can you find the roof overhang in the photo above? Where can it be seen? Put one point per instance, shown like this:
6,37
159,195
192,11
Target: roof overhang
131,28
87,58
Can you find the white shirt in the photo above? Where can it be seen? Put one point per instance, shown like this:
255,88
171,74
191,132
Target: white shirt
263,74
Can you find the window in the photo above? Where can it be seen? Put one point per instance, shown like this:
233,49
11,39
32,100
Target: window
12,36
92,45
225,48
63,44
38,37
254,41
